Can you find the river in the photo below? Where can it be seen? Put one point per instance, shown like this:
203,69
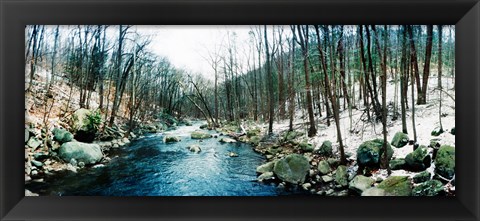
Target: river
150,167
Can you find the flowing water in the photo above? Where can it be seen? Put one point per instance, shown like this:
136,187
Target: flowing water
150,167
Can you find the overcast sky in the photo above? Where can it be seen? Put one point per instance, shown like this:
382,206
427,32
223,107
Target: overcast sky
186,46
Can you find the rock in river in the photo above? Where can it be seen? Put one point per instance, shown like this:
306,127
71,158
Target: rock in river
171,139
198,134
194,148
293,168
227,140
81,152
264,168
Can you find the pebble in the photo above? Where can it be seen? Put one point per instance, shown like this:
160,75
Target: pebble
27,178
98,166
327,178
311,173
343,193
329,192
306,186
38,180
36,163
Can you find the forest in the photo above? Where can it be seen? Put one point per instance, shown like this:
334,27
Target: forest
299,109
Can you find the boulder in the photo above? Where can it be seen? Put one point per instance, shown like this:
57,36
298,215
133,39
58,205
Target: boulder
325,149
341,176
62,135
327,178
397,164
445,162
293,168
79,119
232,154
40,156
399,140
27,134
437,131
171,139
34,143
324,167
204,126
305,146
29,193
198,134
266,176
227,140
370,152
255,140
194,148
428,188
291,135
81,152
36,163
333,162
360,183
374,191
253,132
422,177
267,167
452,131
396,186
418,160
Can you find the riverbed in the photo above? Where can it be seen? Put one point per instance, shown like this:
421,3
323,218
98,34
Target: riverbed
151,167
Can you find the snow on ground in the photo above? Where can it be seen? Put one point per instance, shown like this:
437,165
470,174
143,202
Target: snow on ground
426,120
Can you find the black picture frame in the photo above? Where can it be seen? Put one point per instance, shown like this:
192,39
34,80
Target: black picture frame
15,14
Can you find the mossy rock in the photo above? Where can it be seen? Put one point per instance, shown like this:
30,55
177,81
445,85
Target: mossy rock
445,161
324,167
291,135
267,167
198,134
370,152
253,132
292,169
325,149
399,140
255,140
374,191
171,139
341,175
436,132
429,188
419,159
396,186
305,146
360,183
62,135
397,164
452,131
422,177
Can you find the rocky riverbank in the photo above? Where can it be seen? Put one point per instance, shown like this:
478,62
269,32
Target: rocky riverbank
294,162
56,150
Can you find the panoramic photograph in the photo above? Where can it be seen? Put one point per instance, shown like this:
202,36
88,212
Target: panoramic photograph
259,110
